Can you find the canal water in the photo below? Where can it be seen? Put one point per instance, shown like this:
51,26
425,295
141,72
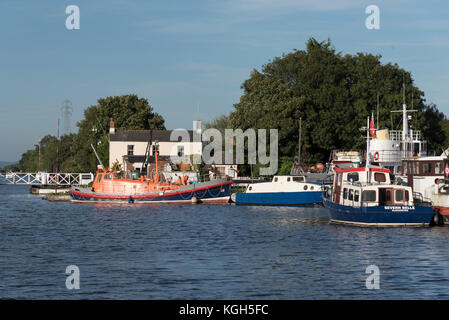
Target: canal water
209,252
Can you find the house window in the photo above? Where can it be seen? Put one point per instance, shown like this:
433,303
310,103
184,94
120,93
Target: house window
130,150
180,151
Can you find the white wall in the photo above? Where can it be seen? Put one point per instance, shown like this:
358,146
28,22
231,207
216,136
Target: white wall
118,149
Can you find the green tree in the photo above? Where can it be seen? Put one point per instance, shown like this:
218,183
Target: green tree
75,153
128,112
333,94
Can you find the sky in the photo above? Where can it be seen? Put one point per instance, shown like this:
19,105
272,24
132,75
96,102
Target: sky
189,58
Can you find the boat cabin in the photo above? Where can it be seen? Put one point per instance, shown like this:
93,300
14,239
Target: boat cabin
281,183
371,186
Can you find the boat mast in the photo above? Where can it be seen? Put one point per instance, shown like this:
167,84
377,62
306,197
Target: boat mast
299,151
367,148
156,153
98,158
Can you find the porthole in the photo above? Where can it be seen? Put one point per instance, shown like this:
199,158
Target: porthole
311,188
305,187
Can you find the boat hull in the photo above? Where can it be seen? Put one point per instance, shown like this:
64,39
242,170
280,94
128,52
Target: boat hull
212,192
379,215
279,198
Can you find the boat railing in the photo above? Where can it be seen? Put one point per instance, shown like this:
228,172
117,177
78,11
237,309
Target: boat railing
419,199
396,135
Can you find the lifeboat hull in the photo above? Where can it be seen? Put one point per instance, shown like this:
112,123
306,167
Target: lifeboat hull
216,191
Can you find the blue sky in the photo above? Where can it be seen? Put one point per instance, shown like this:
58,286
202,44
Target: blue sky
189,58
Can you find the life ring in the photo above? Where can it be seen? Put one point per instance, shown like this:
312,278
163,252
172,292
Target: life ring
376,155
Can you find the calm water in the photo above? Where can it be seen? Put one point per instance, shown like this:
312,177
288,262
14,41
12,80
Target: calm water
209,252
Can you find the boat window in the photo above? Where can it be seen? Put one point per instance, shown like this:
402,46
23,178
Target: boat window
354,176
399,195
298,179
437,168
305,187
379,177
356,195
99,177
406,195
416,171
427,167
405,167
250,188
107,176
276,179
388,196
288,179
368,195
351,194
345,193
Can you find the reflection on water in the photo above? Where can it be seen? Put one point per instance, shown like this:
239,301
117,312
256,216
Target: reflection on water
209,252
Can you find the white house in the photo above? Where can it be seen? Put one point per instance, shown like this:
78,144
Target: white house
130,146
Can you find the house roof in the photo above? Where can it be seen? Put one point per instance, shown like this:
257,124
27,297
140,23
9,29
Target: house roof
151,159
145,135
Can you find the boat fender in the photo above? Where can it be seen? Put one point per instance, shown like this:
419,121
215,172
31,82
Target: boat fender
130,199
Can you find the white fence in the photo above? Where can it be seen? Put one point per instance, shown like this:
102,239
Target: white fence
43,178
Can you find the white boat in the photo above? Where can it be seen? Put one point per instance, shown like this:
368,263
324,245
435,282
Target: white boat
282,190
366,196
389,147
429,178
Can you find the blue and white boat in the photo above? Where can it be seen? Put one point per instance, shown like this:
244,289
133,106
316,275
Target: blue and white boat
366,196
282,190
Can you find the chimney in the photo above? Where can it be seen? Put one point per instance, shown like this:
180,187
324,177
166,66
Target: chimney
111,126
198,126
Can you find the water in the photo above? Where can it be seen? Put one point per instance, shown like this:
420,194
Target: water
209,252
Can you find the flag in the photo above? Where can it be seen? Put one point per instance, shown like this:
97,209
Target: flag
371,127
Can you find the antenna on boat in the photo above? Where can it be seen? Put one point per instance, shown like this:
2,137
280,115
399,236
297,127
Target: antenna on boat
367,143
377,120
405,133
98,158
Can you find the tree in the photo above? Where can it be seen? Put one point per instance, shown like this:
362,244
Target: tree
128,112
333,94
75,153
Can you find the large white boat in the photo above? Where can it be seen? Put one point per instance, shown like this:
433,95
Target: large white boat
429,178
389,147
366,196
